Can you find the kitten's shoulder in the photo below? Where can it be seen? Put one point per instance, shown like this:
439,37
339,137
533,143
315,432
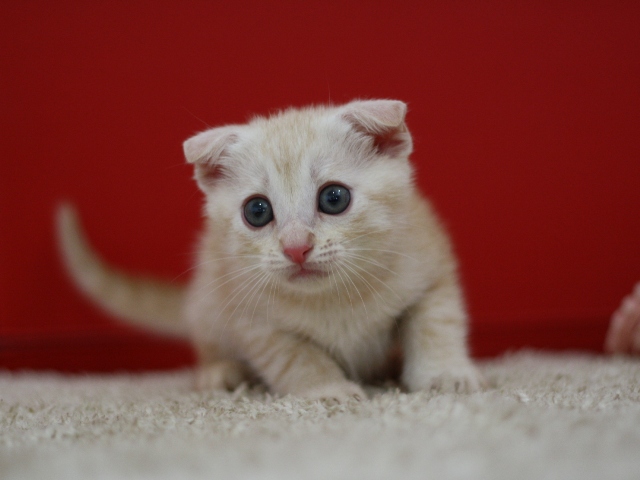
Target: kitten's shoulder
429,235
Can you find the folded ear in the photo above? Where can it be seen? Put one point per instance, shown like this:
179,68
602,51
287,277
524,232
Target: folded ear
205,149
384,121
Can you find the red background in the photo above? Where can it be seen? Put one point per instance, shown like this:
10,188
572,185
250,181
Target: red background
526,118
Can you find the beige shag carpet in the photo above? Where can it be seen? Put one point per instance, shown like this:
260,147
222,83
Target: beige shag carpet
566,416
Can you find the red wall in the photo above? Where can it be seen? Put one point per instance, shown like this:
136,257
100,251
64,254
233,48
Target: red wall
526,118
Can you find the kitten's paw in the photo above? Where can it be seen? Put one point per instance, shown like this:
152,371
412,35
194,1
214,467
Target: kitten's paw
337,391
221,375
462,378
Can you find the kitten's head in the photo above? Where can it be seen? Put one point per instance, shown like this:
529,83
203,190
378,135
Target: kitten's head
311,197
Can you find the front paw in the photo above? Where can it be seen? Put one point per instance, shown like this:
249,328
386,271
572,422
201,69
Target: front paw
220,375
455,378
338,392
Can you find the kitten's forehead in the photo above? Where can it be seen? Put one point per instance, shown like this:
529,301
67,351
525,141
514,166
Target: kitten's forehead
291,137
292,148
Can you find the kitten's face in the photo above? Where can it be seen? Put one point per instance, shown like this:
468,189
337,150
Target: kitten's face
308,200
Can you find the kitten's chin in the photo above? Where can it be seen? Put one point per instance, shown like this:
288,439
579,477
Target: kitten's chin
306,277
304,274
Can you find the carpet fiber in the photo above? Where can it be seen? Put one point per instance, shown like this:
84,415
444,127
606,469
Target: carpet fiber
566,416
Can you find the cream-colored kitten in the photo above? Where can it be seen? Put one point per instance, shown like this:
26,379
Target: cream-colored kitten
318,254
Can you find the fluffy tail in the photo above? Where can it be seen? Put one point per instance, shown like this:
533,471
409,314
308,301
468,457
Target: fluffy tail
140,301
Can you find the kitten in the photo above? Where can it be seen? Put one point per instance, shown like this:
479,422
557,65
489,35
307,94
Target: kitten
318,253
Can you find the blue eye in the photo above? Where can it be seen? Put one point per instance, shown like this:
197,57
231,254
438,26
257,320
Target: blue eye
334,199
258,212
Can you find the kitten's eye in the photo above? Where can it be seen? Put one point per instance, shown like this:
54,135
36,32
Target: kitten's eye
258,212
334,199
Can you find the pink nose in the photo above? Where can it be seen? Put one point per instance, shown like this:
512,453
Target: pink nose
298,253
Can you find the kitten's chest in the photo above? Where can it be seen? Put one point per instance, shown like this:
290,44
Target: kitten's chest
339,318
358,336
341,321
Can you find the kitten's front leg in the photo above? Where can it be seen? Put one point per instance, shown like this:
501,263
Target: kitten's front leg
215,371
434,343
293,365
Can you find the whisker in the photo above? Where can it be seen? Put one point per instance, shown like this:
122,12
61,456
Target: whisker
239,272
375,277
396,223
352,266
395,318
349,254
372,232
270,299
249,283
357,291
265,282
345,288
255,284
375,293
335,281
363,330
277,289
211,260
385,251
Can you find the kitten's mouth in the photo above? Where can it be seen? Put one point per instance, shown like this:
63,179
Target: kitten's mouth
303,273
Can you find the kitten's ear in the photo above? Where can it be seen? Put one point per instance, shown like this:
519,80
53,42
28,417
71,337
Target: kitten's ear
205,149
384,121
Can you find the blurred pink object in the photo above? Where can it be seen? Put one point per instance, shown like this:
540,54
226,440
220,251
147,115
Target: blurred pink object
624,330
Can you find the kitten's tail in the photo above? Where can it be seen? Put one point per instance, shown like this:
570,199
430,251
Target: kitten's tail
140,301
